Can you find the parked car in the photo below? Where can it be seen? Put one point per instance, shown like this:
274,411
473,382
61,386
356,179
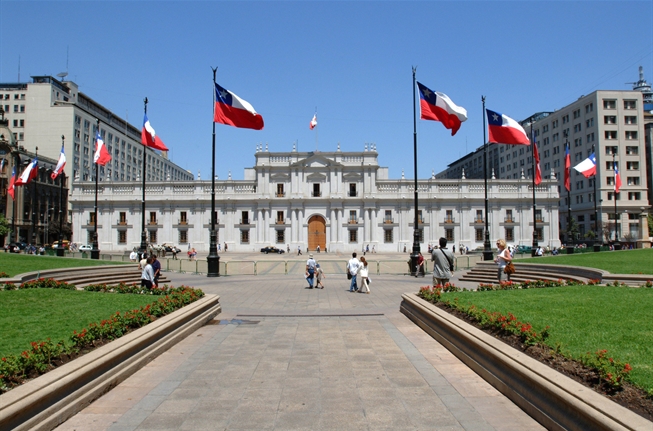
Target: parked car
170,248
272,249
85,247
524,249
21,246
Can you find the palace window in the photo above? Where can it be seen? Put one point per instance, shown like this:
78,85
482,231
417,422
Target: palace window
353,236
281,236
244,236
387,236
122,237
183,236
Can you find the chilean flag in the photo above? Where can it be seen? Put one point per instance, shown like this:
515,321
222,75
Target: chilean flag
149,138
102,156
567,169
505,130
11,190
234,111
588,166
538,171
313,122
60,165
617,179
438,107
28,174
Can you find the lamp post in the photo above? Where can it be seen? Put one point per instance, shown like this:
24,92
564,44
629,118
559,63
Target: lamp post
535,243
34,202
213,259
617,246
143,247
597,244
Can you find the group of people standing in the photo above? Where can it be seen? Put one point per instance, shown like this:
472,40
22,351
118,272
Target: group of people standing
314,273
151,268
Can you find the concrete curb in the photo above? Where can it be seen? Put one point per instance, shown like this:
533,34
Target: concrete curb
554,400
49,400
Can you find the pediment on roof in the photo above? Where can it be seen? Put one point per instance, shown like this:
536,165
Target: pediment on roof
316,177
352,177
280,176
316,161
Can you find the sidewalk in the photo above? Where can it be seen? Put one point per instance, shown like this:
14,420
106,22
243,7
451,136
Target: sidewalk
285,357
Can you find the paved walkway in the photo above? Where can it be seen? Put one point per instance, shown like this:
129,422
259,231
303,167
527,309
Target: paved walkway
284,357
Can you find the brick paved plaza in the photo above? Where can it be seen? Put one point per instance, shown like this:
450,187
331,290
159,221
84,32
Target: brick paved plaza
284,357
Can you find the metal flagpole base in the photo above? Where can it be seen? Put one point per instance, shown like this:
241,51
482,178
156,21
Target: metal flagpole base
60,251
213,259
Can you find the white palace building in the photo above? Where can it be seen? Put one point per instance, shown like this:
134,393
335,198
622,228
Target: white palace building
341,201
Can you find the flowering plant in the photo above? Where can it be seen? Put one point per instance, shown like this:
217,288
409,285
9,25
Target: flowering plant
613,372
15,369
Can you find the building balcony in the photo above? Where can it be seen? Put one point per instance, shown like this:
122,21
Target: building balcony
121,222
279,222
388,221
352,221
182,222
509,220
479,220
280,194
316,194
449,220
352,194
152,222
244,221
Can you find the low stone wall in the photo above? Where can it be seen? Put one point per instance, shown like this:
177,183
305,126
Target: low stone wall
554,400
49,400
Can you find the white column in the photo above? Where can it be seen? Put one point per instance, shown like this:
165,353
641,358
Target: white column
366,226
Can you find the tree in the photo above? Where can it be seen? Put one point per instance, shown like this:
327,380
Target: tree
4,226
650,224
608,230
572,230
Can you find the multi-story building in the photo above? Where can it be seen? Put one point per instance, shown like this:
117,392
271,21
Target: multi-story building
610,123
35,212
44,110
341,201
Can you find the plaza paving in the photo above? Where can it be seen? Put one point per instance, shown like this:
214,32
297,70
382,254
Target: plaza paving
285,357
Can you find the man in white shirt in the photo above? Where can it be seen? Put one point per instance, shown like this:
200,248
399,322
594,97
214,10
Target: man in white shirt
353,267
133,256
310,270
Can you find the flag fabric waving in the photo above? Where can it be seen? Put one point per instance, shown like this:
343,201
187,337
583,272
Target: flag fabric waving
617,179
234,111
439,107
149,137
538,171
567,169
11,190
102,156
504,130
60,165
588,166
28,174
313,122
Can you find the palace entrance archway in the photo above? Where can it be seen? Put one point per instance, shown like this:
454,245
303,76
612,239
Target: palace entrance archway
316,232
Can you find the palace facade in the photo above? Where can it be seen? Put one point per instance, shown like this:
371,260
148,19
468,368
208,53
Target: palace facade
341,201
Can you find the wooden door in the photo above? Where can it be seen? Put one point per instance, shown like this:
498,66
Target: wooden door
316,233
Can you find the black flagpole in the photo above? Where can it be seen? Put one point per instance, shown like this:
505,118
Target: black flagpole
415,255
616,218
570,250
597,244
535,244
487,251
34,212
62,179
95,252
213,260
143,247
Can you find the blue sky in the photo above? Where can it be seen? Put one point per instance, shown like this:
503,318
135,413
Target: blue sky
350,60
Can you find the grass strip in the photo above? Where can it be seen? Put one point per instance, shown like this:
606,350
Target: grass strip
29,315
583,319
615,262
14,264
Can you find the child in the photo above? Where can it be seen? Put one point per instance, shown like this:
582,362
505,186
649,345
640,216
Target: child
319,274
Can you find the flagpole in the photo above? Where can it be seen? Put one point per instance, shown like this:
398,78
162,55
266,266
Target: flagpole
535,243
487,251
616,220
143,247
597,245
62,176
34,236
415,254
95,252
570,250
316,128
213,259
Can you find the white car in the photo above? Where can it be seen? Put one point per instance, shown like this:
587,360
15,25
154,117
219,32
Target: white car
85,248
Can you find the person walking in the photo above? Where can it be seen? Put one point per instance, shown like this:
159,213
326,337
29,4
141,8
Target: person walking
319,275
502,258
147,276
443,261
156,270
364,275
310,270
353,266
299,250
420,266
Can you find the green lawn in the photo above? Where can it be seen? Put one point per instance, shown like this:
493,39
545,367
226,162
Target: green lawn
584,319
14,264
37,314
616,262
